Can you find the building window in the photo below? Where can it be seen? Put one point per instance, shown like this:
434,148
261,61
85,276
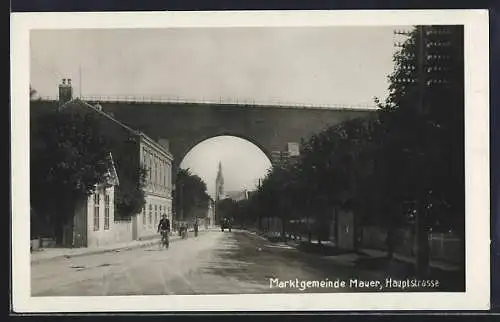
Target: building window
168,177
144,215
150,215
157,171
96,211
106,211
158,181
156,214
165,174
161,173
154,171
150,168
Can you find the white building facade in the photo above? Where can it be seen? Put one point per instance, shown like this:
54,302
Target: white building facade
156,158
94,221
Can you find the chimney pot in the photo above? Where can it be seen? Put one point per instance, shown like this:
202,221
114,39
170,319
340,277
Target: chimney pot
65,91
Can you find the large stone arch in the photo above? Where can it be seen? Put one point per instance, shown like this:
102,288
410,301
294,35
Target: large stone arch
237,134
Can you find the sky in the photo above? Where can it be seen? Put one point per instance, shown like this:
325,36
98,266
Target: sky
287,65
239,174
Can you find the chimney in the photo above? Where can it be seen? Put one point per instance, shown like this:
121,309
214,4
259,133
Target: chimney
65,91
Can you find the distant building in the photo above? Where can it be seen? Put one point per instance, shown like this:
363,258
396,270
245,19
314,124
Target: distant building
283,157
237,195
250,194
98,222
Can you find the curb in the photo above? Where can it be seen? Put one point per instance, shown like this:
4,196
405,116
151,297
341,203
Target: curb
94,252
102,251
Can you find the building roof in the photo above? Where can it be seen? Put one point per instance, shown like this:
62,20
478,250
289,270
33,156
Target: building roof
95,109
126,127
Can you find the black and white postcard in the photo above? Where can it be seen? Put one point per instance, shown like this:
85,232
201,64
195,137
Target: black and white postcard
250,161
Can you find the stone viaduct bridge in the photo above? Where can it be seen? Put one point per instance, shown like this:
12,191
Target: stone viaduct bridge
185,125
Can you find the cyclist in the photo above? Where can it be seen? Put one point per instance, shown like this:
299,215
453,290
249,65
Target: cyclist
164,229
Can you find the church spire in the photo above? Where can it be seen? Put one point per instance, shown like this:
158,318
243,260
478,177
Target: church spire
219,183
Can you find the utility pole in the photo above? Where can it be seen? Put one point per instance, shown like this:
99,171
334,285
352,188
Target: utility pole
80,76
422,233
431,65
420,228
181,201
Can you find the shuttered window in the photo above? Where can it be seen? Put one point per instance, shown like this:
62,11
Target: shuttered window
106,211
96,211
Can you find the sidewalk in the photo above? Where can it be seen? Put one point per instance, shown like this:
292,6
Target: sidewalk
350,258
47,254
433,263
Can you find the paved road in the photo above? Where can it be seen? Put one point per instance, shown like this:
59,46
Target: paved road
213,263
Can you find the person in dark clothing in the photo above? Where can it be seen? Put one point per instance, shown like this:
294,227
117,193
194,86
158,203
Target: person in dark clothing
195,227
164,228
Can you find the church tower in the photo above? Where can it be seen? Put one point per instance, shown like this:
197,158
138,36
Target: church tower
219,184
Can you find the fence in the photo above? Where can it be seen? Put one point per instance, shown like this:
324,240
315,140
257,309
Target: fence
443,246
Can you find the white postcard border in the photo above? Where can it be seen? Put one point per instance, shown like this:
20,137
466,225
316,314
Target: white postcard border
477,295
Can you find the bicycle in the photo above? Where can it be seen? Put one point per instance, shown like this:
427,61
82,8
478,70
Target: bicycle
164,242
184,233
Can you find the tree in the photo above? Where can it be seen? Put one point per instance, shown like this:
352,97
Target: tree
130,195
227,208
423,130
334,166
68,158
190,194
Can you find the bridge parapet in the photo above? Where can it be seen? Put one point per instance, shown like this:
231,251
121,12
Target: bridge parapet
223,101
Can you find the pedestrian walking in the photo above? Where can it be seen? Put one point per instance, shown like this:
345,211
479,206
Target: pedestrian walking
195,227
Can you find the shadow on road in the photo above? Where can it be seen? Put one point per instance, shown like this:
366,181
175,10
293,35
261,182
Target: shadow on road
452,281
361,264
318,249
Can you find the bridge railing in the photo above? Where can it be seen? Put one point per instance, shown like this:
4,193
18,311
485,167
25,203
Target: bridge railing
222,101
